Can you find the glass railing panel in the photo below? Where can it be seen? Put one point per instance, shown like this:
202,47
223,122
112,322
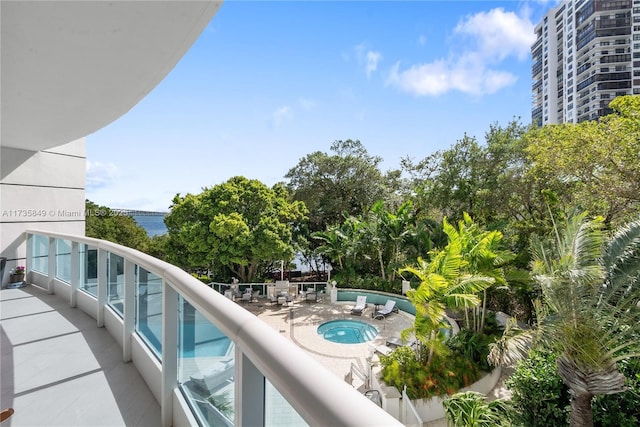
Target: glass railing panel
277,411
40,254
88,269
149,309
206,366
63,260
115,281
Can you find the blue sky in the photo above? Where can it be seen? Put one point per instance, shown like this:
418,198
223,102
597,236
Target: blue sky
269,82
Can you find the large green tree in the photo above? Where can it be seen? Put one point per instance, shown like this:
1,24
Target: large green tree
346,181
490,181
241,225
594,163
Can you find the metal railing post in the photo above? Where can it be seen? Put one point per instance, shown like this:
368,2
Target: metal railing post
169,351
128,308
75,273
102,286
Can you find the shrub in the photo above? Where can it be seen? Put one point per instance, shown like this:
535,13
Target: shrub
473,346
445,375
539,397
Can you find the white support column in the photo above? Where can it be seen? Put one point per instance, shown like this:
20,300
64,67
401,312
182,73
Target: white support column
102,286
129,308
169,351
51,268
29,260
75,273
249,392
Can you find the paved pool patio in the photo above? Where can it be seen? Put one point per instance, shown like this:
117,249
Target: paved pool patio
300,319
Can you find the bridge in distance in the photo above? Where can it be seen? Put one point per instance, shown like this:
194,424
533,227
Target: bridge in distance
135,212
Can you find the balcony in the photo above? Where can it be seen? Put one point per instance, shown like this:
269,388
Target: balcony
88,345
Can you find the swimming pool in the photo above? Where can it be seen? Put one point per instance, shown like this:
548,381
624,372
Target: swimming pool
347,331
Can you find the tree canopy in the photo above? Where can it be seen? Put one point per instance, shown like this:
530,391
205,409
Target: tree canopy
595,163
348,181
241,225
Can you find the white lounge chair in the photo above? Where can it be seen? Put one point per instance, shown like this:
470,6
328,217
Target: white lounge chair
388,308
311,295
247,296
361,304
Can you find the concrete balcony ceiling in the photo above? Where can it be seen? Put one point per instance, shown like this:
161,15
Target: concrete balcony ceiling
69,68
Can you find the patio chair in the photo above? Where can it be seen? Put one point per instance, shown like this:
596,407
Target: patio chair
361,304
246,297
311,295
389,307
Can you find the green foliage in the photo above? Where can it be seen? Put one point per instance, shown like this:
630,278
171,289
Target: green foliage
490,181
373,245
539,396
241,225
102,223
347,181
445,375
470,409
453,278
472,345
594,164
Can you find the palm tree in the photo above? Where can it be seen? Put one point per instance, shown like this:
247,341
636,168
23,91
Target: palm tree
590,307
444,284
481,251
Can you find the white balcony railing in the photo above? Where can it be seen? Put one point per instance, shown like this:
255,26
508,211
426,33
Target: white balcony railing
150,306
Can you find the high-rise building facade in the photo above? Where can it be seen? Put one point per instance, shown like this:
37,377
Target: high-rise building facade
587,52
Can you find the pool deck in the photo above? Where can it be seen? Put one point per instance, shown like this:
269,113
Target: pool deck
299,322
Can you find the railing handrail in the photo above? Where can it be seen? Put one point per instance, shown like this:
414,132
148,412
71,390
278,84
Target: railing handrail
318,395
364,377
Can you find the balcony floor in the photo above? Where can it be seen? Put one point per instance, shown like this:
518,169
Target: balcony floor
59,369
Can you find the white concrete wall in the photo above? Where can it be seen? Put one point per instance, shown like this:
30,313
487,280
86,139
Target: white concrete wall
40,190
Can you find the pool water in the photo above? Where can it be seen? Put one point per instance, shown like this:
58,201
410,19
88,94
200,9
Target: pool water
347,331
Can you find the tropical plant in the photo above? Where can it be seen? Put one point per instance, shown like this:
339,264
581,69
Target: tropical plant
589,312
445,283
539,398
470,409
445,375
538,395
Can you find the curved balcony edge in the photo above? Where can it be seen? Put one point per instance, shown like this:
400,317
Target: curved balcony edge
318,395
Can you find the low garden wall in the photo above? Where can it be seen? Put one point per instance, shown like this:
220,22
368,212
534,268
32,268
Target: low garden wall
428,409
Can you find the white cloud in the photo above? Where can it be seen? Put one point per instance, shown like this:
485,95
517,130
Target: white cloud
100,175
280,115
491,37
439,77
499,34
372,61
422,40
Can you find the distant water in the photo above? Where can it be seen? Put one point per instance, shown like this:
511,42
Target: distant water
153,224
